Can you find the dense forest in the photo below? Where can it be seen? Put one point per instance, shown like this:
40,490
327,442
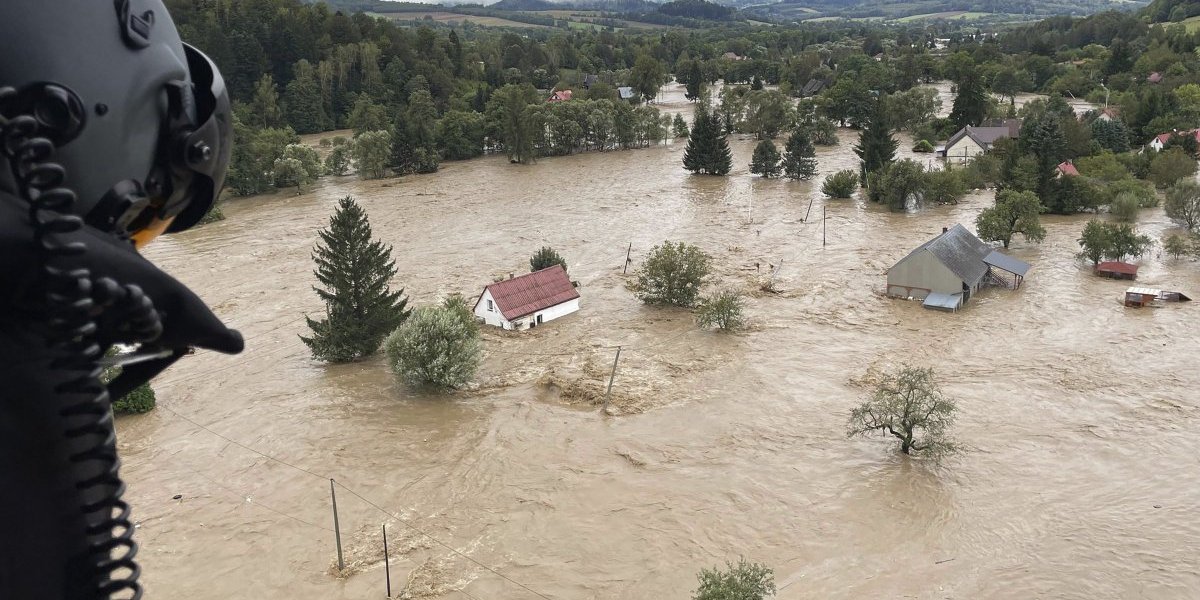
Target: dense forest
415,96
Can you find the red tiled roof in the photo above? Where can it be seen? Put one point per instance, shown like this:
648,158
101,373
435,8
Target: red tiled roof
1068,168
560,96
532,292
1117,267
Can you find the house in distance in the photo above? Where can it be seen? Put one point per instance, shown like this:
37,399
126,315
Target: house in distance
948,270
971,141
529,300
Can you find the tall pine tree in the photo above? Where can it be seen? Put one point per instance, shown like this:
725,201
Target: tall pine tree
354,270
403,159
799,156
876,146
971,102
765,161
695,82
707,151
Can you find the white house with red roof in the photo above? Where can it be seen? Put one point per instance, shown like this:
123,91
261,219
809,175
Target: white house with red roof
529,300
1161,139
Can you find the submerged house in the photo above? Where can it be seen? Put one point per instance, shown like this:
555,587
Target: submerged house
529,300
625,92
948,270
970,140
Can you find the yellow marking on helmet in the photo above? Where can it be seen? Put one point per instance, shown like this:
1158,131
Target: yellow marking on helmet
147,234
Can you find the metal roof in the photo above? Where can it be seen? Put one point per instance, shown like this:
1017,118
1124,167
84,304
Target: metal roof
984,136
960,251
1145,291
532,292
1006,263
1117,267
943,301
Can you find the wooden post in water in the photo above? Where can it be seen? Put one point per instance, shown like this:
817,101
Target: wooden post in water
387,567
611,376
337,528
823,217
628,253
806,213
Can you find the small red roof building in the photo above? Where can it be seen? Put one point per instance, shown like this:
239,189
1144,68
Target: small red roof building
542,295
559,96
1155,77
1117,270
1067,168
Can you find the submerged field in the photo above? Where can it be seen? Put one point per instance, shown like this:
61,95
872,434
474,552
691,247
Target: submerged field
1080,413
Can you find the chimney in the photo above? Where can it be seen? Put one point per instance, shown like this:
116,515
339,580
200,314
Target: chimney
510,275
945,229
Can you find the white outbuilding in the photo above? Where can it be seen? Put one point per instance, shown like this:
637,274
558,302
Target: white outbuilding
529,300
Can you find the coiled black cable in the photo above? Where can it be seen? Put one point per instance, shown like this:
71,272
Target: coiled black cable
85,316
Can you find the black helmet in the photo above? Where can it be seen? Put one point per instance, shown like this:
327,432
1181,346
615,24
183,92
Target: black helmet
141,120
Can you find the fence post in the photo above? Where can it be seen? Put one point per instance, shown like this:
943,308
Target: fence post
628,253
337,528
611,376
387,567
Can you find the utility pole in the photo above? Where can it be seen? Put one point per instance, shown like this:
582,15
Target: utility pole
387,567
337,528
628,252
611,377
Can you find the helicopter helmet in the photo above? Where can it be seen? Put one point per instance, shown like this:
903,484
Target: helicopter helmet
140,121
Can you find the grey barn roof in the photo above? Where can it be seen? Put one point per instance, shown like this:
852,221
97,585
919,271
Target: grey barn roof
1007,263
984,136
960,251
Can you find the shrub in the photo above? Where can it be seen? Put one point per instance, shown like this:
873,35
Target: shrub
546,258
923,147
841,184
822,132
672,274
1170,166
1124,207
723,310
140,400
213,215
325,142
338,140
743,581
436,345
1183,204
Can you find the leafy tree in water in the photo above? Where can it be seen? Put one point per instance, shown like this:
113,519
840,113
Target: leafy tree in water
338,160
723,310
460,134
509,110
971,102
252,162
421,118
371,152
436,345
876,146
841,184
908,405
1113,241
944,186
766,160
303,104
741,581
1095,240
679,127
1014,212
1183,204
301,165
545,258
647,76
695,82
139,400
823,132
897,183
367,116
402,154
672,274
354,270
1176,245
799,156
1124,207
707,151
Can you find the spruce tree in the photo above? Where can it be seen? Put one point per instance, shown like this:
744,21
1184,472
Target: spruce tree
403,158
876,146
766,160
695,82
799,156
707,151
679,127
354,270
970,103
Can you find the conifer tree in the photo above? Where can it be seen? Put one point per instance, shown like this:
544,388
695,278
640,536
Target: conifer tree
707,151
403,159
766,160
876,146
695,82
354,269
799,156
970,103
679,127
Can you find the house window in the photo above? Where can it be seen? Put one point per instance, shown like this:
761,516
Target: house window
491,307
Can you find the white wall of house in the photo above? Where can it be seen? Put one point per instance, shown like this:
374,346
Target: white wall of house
963,150
920,274
489,313
1156,145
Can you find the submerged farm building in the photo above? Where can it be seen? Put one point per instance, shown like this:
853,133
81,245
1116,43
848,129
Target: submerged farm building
529,300
971,141
950,268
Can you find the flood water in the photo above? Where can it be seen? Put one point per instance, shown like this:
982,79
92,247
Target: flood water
1081,415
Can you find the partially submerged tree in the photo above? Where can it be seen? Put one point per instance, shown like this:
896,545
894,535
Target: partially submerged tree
679,127
799,156
1183,204
723,310
1124,207
1176,245
436,345
765,161
876,146
338,160
741,581
545,258
841,184
354,270
896,183
672,274
1170,166
372,151
1112,241
1014,212
908,405
707,151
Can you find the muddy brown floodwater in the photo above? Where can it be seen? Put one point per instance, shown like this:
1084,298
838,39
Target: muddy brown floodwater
1082,415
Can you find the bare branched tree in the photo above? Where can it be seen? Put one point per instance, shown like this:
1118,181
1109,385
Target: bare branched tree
908,405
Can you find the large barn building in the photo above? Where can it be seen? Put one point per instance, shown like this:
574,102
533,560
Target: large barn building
529,300
948,270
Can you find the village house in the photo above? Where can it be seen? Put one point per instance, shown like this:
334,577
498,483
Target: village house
813,87
971,141
625,92
1160,140
529,300
1109,114
948,270
733,56
559,96
1155,77
1066,168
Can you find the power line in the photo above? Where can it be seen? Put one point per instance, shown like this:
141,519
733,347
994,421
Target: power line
406,523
